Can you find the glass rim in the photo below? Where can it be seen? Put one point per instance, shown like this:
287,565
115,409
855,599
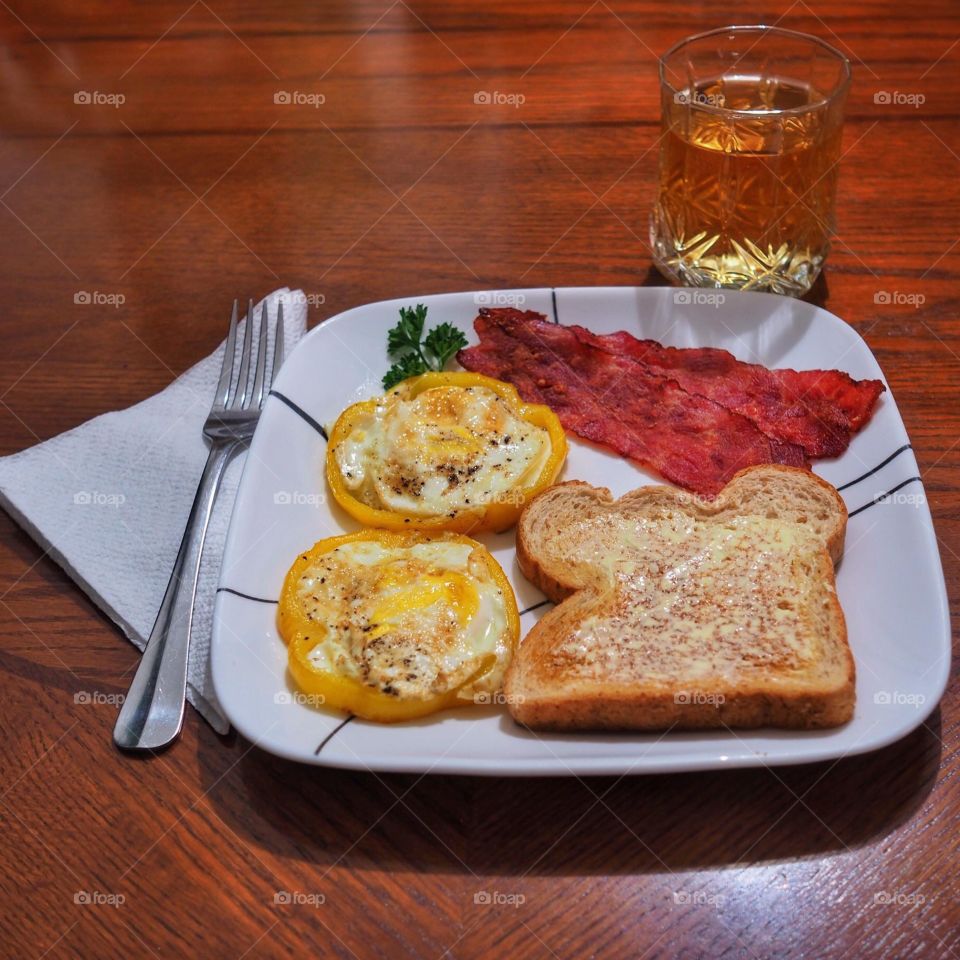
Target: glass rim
761,28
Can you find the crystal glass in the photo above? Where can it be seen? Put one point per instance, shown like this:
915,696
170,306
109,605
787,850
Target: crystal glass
751,125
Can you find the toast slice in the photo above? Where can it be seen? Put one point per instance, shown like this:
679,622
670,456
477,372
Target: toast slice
679,612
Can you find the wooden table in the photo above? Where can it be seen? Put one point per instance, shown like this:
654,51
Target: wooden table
199,187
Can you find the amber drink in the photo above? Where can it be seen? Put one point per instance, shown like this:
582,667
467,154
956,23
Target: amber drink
751,125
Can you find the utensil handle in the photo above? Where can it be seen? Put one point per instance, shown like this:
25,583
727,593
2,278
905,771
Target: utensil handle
152,713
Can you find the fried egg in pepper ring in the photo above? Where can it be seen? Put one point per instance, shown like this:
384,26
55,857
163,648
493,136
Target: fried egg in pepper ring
443,451
392,626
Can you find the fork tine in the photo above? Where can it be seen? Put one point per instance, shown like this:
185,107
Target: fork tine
226,368
241,388
256,396
277,346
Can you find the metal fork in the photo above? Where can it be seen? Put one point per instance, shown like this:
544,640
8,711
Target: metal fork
152,712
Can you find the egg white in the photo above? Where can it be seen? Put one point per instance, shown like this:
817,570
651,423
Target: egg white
447,450
430,642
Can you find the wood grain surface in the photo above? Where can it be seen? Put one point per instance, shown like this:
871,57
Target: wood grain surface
198,187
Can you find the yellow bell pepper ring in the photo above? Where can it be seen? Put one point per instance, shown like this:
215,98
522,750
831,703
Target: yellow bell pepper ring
501,512
338,691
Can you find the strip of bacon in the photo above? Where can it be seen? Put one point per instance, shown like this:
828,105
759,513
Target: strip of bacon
621,403
818,410
856,398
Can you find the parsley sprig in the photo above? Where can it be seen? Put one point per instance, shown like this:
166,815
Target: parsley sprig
415,354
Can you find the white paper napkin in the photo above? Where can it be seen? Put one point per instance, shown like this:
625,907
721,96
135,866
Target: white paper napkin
109,499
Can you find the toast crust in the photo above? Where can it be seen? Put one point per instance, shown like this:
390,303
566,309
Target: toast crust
544,695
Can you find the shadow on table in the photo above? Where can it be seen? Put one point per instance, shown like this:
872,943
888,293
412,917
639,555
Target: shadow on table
567,826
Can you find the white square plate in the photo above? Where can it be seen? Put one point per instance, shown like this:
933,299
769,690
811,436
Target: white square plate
890,580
